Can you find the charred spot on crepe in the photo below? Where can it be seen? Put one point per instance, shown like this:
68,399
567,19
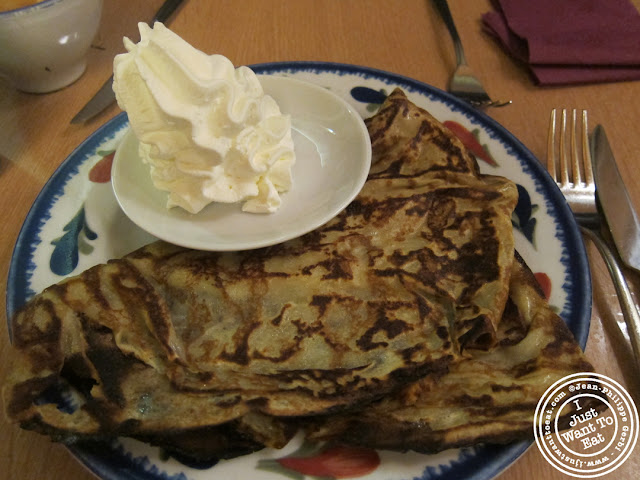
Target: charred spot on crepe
411,293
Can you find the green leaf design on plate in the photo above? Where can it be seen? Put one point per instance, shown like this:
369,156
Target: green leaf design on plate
66,253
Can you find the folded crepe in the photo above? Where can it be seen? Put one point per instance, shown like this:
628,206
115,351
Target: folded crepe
488,397
219,354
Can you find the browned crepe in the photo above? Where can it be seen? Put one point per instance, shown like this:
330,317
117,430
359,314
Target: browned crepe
411,278
489,396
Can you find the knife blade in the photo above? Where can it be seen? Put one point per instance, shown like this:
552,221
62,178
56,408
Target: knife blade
614,200
106,96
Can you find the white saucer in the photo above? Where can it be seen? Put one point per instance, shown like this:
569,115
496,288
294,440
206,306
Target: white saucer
333,157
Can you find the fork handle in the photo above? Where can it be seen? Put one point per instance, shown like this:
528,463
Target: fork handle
628,306
444,11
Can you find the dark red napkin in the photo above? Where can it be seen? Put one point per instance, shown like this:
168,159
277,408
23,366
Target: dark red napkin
570,41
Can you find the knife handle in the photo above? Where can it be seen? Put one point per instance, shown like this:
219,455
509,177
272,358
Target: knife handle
628,306
165,11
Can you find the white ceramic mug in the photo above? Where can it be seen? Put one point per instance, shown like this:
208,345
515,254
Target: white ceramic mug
43,47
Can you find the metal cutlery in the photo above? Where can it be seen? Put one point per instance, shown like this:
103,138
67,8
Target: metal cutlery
576,182
614,199
463,83
105,96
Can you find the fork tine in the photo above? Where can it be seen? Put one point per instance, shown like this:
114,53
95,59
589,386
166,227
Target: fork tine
564,164
586,151
575,157
551,146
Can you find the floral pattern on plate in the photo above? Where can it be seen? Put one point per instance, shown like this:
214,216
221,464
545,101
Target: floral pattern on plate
76,223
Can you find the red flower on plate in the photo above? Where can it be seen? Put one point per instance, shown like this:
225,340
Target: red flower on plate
470,140
545,283
101,171
335,462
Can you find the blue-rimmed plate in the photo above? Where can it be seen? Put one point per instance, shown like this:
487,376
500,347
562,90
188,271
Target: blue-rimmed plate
76,223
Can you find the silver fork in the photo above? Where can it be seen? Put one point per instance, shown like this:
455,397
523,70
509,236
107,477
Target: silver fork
573,173
463,83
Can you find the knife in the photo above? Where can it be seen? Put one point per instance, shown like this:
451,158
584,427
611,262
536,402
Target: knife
615,201
106,96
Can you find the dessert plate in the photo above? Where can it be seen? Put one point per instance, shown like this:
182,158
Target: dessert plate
76,223
333,156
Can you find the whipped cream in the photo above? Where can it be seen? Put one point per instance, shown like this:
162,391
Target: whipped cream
206,129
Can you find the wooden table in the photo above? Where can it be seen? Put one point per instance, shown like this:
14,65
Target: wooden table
405,37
